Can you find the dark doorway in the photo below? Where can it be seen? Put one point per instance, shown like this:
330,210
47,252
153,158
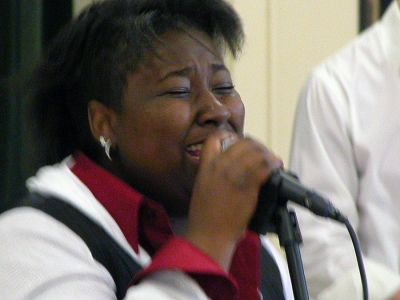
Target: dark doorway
26,26
371,11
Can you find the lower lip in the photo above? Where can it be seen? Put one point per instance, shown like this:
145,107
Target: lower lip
194,155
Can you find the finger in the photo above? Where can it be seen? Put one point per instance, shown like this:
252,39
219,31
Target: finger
212,147
253,162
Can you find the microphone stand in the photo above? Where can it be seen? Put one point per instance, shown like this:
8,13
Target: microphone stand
289,235
272,215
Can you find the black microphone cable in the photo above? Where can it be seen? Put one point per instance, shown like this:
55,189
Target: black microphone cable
289,187
360,262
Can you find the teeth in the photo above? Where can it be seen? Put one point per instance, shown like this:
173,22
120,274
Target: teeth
195,147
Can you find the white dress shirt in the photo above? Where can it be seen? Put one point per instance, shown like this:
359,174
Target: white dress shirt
346,145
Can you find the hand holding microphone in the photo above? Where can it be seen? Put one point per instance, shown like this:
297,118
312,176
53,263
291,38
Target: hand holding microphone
286,187
225,193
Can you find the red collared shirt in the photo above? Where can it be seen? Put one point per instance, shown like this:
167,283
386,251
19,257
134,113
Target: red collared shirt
142,219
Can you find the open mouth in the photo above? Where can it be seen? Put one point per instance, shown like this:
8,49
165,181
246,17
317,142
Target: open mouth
194,150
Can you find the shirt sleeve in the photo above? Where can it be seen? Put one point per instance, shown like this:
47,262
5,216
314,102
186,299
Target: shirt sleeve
166,285
322,156
179,254
382,282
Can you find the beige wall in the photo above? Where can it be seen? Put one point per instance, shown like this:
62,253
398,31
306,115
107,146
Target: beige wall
285,39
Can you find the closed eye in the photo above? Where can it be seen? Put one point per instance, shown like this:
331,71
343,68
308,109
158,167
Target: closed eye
177,93
224,90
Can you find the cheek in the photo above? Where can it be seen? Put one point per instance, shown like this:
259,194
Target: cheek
171,122
157,132
237,109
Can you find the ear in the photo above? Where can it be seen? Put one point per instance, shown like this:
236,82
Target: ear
102,121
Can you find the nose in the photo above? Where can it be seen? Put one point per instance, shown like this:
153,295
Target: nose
211,110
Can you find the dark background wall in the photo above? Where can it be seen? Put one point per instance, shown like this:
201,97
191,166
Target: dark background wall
26,26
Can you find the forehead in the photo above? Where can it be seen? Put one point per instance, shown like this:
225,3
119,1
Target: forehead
183,48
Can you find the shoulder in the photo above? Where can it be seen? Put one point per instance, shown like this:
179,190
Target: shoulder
36,251
30,225
364,54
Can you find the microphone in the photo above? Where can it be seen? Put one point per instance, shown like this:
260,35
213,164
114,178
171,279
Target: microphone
286,187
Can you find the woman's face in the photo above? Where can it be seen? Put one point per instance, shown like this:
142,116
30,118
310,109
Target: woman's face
171,104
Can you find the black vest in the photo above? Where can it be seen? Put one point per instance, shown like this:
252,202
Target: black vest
117,261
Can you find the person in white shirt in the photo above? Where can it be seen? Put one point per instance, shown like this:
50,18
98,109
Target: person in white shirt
346,145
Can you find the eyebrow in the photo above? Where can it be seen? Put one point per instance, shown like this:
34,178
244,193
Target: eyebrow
185,72
219,67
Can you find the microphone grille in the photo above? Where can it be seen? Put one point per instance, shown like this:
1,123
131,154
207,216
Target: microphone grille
226,143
